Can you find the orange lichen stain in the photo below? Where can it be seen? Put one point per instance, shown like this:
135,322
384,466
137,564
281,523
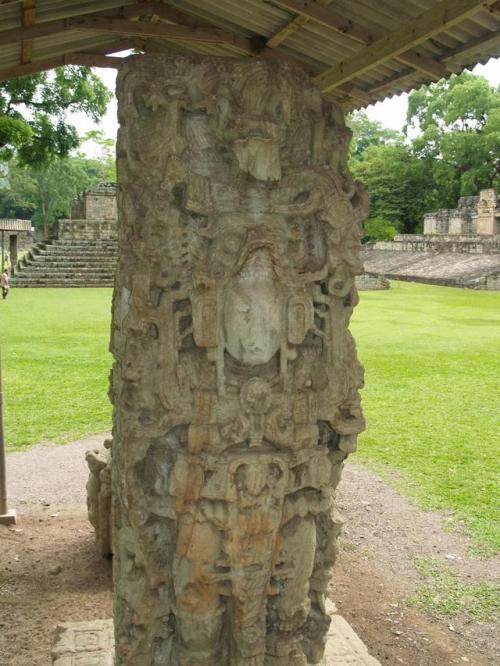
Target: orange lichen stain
199,597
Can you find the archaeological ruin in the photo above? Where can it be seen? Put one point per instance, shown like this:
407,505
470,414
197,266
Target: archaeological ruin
458,248
80,251
474,216
235,384
15,236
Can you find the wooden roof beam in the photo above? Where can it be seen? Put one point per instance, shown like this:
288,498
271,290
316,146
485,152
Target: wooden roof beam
47,28
27,20
285,32
495,8
162,30
441,17
86,59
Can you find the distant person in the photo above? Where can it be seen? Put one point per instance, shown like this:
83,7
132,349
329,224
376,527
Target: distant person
5,283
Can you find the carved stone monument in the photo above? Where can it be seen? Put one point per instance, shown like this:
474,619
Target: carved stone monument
236,381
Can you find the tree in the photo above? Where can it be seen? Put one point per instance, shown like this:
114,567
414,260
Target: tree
106,157
44,192
366,132
458,120
18,193
376,228
33,108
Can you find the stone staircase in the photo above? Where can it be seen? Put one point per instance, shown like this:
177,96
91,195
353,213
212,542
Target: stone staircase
67,263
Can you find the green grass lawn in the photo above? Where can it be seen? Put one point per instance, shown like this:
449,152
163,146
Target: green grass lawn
431,400
55,364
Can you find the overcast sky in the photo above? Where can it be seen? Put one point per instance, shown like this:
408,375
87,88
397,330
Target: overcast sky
391,112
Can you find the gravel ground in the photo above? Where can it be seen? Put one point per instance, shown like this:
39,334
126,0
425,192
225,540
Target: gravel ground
56,473
50,571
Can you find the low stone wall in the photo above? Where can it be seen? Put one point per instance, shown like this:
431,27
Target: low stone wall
85,229
371,282
98,203
439,243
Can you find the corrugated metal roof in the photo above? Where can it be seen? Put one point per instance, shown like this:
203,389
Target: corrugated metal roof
318,44
15,225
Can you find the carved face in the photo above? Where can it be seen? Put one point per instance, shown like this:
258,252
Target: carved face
252,312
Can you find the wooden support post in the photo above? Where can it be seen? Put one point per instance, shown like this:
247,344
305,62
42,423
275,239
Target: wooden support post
6,517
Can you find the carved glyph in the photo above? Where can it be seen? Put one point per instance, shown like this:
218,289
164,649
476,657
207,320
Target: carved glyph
236,382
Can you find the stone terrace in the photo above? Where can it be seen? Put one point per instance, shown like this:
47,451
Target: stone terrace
68,263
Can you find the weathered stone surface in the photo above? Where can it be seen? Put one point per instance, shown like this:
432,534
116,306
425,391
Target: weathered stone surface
84,644
236,381
479,215
343,645
472,269
99,496
371,282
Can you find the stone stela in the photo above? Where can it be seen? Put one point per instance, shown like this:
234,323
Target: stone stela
235,384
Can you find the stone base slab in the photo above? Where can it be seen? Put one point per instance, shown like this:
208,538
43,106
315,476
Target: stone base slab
84,644
91,644
344,647
8,518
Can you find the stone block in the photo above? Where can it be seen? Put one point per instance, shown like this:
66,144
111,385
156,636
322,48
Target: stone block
84,644
343,645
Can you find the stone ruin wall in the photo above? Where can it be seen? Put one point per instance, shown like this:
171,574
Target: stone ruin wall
371,282
438,244
93,216
97,203
235,384
476,215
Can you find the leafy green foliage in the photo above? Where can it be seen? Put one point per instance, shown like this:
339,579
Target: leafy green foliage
366,133
44,192
445,593
106,158
455,151
398,184
33,108
376,228
459,135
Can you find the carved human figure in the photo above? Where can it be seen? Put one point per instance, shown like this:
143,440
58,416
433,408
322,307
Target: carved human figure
252,311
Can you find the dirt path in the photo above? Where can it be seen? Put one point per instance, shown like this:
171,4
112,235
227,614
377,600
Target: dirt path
50,571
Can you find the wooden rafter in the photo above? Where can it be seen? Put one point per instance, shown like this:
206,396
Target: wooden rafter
444,15
162,30
290,28
87,59
458,54
495,8
14,35
27,20
361,35
176,29
287,30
